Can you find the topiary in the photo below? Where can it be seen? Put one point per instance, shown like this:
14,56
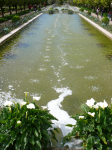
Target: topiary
51,11
105,20
70,12
15,18
105,14
2,20
81,9
8,17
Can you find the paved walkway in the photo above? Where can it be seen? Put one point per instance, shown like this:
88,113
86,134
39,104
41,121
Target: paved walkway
94,15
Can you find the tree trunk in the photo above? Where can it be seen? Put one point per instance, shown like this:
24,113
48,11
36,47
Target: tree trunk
109,7
16,9
2,12
10,10
24,6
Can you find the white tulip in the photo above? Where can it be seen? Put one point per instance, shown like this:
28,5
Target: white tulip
90,102
22,103
81,117
36,98
44,107
8,103
91,114
31,106
95,106
26,93
102,104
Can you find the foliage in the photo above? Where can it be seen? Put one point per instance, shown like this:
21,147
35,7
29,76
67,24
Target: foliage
8,17
70,12
105,20
24,126
15,18
51,11
89,12
93,126
81,9
2,20
105,14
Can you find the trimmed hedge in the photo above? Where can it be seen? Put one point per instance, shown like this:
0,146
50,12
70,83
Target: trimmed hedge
2,20
105,20
81,9
15,18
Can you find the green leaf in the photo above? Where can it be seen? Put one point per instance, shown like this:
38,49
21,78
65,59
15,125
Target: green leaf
84,108
103,139
55,129
99,129
36,133
32,141
38,144
17,144
70,125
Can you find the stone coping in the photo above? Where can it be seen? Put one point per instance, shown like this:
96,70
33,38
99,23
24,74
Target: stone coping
10,34
105,32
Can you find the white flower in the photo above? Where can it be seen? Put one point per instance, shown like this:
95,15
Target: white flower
19,122
31,106
8,103
36,98
26,93
81,117
92,114
90,102
22,103
96,106
44,107
102,104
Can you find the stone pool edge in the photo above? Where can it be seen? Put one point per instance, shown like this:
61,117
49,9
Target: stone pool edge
105,32
13,32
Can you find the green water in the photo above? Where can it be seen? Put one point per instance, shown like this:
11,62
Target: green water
57,51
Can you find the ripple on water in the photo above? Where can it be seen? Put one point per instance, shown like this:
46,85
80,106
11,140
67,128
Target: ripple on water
22,45
10,55
101,45
31,33
91,34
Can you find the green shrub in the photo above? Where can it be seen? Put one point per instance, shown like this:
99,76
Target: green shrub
9,17
105,14
81,9
3,20
24,126
15,18
39,9
70,12
93,126
62,9
23,12
51,11
89,12
105,20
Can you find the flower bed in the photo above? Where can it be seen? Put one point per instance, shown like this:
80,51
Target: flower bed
94,126
24,126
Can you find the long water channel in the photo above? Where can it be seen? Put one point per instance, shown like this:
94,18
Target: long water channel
60,58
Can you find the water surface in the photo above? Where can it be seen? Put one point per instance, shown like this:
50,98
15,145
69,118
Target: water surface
53,55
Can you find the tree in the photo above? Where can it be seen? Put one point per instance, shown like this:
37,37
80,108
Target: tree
2,3
106,3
